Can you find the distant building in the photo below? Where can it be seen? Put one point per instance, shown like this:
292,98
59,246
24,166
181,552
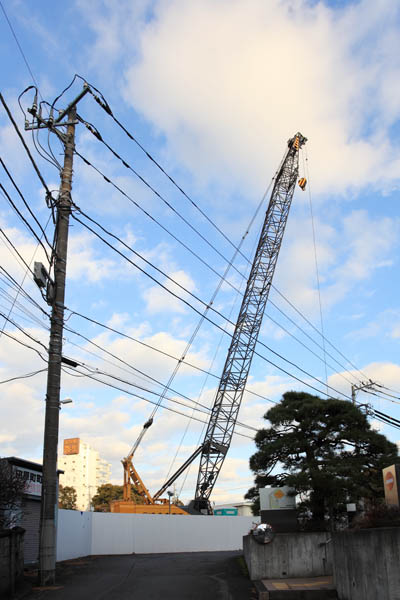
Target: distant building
235,509
29,514
84,470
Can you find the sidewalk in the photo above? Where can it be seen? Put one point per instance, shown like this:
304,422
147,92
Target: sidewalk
181,576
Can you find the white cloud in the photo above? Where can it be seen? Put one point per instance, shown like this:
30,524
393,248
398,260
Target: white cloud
346,257
228,83
159,300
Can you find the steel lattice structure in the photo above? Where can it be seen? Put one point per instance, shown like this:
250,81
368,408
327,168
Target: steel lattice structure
234,377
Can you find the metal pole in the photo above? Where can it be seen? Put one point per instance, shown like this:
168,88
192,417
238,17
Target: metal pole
47,543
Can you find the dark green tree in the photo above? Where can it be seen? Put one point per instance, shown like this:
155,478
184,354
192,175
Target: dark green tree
324,449
67,497
12,488
108,492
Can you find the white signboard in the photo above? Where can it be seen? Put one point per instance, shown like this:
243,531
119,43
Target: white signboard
277,498
33,480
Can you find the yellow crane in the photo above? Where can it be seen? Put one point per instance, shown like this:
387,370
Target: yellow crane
146,503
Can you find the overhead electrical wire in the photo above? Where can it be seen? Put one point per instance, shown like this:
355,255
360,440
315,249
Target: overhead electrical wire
108,180
99,137
27,224
150,347
190,250
113,376
187,303
106,107
151,402
150,216
43,230
13,283
23,344
204,409
26,376
15,250
38,173
19,46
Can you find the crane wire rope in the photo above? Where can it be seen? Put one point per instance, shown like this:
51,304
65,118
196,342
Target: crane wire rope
189,249
306,170
202,318
187,303
236,298
106,107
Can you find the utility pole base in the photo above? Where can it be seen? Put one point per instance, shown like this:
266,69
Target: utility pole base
47,558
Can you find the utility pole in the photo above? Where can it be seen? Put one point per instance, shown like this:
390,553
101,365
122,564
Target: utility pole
47,540
364,385
47,544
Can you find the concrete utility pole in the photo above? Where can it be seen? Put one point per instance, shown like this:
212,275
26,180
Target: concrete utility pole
47,540
47,548
364,385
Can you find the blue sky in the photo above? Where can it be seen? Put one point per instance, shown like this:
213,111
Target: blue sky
212,91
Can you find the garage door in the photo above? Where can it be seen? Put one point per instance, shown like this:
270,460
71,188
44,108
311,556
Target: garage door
31,522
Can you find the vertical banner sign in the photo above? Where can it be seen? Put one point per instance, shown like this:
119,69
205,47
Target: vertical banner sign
391,482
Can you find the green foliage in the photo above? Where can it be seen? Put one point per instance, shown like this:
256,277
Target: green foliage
12,487
107,493
67,497
378,515
324,449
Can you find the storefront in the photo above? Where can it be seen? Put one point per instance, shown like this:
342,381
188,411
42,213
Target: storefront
30,510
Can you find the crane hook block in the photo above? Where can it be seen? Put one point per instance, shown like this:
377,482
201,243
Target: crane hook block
302,183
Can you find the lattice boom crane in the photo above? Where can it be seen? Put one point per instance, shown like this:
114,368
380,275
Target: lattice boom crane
227,402
226,406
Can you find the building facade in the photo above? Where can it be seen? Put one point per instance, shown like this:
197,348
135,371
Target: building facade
28,516
235,509
84,470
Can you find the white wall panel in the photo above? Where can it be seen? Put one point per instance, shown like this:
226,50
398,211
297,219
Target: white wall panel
81,534
74,534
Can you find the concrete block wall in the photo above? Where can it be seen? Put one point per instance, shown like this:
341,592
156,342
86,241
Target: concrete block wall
366,564
87,533
289,555
11,559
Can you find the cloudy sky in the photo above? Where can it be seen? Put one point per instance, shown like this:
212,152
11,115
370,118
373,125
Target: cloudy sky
212,91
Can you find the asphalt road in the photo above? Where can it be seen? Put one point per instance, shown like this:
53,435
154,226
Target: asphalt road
181,576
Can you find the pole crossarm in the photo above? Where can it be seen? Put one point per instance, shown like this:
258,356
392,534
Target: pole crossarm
233,380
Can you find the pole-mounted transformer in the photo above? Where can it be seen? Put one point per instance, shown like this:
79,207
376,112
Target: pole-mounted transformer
234,377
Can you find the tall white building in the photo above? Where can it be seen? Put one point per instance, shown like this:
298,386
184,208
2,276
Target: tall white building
84,470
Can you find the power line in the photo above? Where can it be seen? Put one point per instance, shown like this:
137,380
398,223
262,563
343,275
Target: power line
205,263
187,303
315,328
206,410
15,250
151,217
23,376
13,283
98,136
223,278
152,402
106,107
23,344
19,46
37,238
38,173
150,347
24,201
